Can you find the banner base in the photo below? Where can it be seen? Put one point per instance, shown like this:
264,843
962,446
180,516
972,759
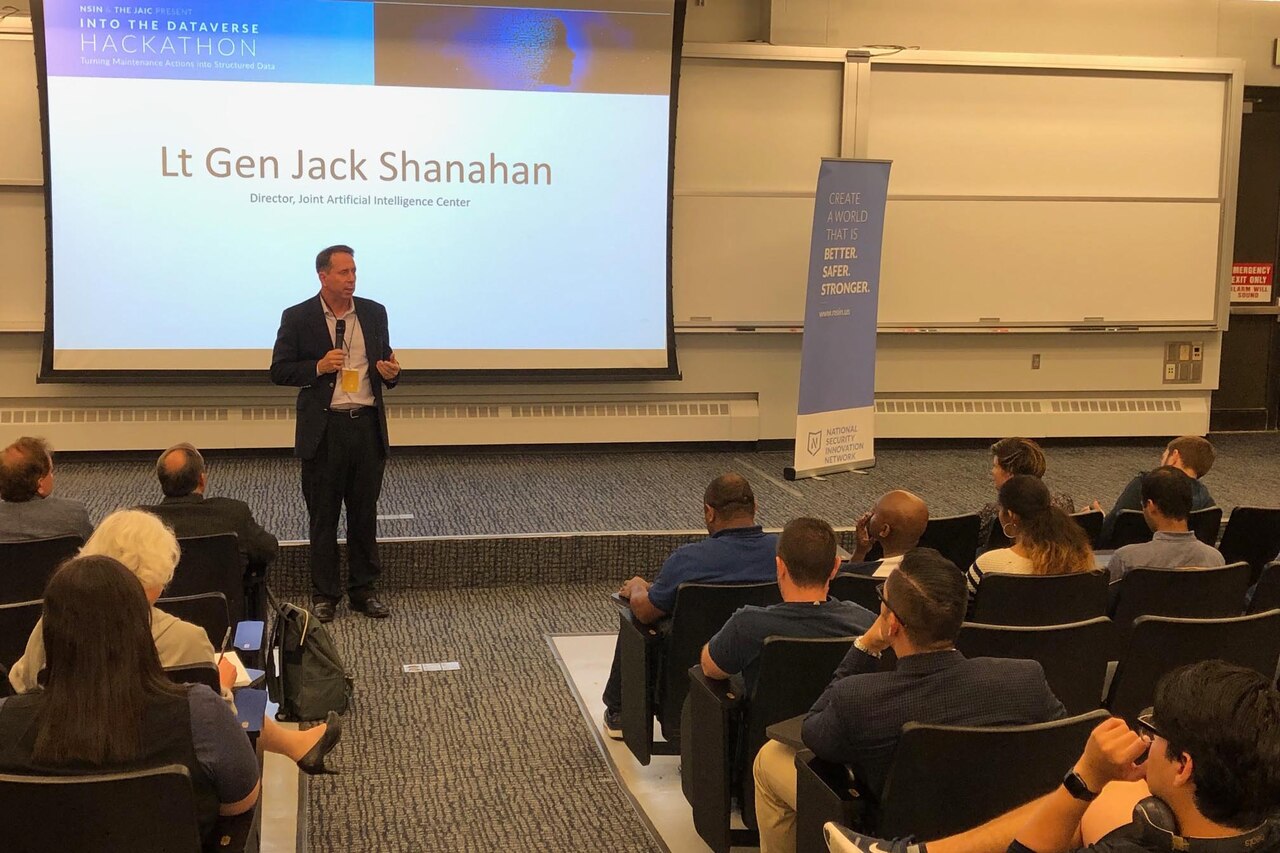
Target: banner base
790,473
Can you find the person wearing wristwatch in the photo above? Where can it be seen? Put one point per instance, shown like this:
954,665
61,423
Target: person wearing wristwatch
1198,773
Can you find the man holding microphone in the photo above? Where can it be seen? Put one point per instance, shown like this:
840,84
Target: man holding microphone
336,349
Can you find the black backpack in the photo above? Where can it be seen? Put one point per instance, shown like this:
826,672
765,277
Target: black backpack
305,673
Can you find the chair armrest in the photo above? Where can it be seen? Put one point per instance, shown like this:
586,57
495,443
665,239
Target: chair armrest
823,794
251,706
249,634
708,749
637,648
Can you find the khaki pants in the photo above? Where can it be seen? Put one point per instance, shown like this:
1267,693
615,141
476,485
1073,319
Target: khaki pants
775,772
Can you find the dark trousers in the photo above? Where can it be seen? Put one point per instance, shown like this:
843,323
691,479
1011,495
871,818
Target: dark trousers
347,469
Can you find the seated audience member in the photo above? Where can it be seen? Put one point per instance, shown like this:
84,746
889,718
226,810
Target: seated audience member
1190,454
1166,503
185,508
149,549
1010,457
1199,773
806,562
736,551
107,706
897,522
1045,539
27,509
859,718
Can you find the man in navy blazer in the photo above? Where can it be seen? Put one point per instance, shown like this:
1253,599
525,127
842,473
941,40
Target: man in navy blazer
336,349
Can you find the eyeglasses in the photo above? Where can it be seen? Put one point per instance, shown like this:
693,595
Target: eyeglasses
1145,727
885,602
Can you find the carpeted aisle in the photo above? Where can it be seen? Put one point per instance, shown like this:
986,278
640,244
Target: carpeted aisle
494,756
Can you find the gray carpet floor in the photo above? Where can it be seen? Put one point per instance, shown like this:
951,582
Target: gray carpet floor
494,756
488,494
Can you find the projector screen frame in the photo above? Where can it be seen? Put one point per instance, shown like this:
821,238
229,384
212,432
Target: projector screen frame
48,374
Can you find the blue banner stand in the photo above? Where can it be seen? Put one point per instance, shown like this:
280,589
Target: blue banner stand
835,421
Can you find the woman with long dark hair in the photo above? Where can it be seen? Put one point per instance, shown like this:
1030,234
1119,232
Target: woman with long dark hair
1046,541
107,706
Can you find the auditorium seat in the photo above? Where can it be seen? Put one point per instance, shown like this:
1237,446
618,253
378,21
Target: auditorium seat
25,567
1074,657
17,621
728,730
860,589
1008,599
1131,527
1252,535
1266,595
954,537
1159,644
944,779
700,611
1090,522
208,610
1188,593
210,564
140,811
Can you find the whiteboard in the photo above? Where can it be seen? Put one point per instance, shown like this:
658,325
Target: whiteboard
19,113
1047,132
22,232
1002,263
1032,191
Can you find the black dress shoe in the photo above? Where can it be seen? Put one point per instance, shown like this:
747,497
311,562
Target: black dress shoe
371,607
323,610
313,762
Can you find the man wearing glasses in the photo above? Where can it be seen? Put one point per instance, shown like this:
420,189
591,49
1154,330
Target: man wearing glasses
1199,773
859,718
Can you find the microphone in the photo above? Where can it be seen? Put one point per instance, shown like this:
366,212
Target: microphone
339,332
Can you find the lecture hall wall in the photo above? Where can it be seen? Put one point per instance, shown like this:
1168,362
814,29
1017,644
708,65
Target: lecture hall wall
741,386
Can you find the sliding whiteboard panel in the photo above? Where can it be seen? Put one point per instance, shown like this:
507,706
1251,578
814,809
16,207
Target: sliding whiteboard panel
23,245
755,126
20,160
953,130
998,263
741,261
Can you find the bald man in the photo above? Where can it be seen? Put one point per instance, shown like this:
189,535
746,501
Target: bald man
183,480
897,522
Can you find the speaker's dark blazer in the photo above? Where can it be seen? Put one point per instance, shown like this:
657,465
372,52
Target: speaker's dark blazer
302,341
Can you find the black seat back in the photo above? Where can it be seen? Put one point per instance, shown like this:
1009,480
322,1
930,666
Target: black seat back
954,537
1090,522
1130,529
1266,595
1186,593
208,610
210,564
1252,535
1008,599
860,589
793,674
142,811
197,673
945,779
700,611
1159,644
1205,524
1074,657
17,621
995,538
25,567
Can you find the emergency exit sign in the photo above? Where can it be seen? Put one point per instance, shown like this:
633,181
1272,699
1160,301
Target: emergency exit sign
1251,282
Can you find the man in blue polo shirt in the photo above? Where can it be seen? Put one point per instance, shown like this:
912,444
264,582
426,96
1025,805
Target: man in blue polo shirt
806,563
737,551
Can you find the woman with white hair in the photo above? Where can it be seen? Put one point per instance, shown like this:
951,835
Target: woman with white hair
148,548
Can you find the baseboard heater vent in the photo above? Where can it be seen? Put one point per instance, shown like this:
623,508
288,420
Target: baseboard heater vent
620,410
982,407
456,412
104,416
